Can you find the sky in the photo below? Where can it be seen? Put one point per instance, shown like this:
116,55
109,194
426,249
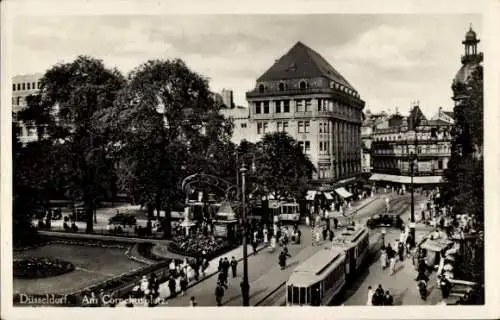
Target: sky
391,60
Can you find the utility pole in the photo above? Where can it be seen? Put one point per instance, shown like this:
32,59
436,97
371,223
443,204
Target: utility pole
245,287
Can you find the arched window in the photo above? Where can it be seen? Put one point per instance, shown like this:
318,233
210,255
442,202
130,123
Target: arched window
261,88
303,85
281,86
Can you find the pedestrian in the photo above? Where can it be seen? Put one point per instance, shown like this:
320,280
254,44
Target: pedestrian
219,294
369,297
335,223
234,264
331,235
172,286
184,284
401,251
299,233
392,262
266,236
254,247
325,233
222,277
388,299
221,264
282,258
445,285
383,258
192,302
378,296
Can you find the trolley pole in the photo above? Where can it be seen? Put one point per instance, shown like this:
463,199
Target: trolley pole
245,287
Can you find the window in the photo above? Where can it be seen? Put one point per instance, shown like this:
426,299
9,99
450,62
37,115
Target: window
285,126
306,126
13,87
266,106
258,108
13,101
259,128
303,85
286,106
320,130
18,100
33,85
301,145
281,86
299,105
24,86
39,85
243,125
307,147
29,86
18,86
264,128
261,88
308,105
321,146
320,105
300,127
278,106
278,126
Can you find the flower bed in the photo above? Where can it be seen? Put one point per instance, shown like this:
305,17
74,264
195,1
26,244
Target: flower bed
193,246
41,268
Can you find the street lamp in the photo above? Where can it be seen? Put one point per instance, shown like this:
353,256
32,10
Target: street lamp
245,287
413,157
383,237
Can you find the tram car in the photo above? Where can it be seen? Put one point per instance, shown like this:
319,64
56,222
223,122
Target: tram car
319,279
290,212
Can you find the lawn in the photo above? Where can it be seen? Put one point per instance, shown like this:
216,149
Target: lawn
92,265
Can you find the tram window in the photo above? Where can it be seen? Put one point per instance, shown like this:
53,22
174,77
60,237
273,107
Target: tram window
308,299
302,295
295,296
316,295
290,293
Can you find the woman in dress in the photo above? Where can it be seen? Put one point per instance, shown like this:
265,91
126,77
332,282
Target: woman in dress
383,258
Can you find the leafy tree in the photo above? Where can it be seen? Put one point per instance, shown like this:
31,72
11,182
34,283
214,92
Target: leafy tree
63,113
464,190
281,167
164,125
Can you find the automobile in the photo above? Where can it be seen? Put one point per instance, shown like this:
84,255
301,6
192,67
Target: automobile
385,220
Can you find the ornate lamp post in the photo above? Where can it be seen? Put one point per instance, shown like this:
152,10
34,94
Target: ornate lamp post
245,287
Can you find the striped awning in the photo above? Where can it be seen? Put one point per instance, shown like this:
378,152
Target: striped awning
328,195
310,195
343,192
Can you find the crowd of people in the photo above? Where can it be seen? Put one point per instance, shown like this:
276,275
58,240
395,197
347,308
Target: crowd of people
379,297
195,244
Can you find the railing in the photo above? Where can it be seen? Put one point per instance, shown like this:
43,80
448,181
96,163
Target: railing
104,232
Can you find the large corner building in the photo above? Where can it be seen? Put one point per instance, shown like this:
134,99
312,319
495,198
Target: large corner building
303,95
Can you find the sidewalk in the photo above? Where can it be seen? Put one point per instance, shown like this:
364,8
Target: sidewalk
209,272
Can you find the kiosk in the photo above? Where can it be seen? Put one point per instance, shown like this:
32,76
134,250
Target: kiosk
226,223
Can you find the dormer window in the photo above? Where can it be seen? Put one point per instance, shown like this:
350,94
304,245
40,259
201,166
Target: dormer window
303,85
332,84
281,86
261,88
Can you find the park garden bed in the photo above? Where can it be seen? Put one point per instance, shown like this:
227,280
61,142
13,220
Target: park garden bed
193,246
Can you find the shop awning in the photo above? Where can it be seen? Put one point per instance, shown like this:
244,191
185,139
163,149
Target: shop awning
328,195
406,179
428,180
343,192
435,245
310,195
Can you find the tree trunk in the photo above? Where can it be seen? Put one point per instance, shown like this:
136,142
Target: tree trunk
167,225
150,209
89,214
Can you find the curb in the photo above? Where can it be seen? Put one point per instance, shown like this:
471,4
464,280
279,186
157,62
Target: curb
267,296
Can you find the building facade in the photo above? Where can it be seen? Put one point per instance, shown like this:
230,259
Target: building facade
370,123
393,148
303,95
227,98
22,87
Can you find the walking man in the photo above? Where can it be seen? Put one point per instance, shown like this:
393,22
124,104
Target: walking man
219,294
234,264
172,287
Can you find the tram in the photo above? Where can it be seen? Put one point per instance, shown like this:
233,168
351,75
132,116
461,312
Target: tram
319,279
355,241
290,212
